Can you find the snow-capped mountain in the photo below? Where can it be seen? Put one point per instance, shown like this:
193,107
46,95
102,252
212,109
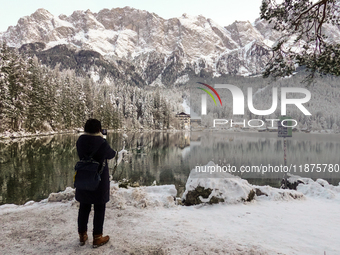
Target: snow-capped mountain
159,51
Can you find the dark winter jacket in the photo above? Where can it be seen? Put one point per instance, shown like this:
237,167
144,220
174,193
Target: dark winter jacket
86,144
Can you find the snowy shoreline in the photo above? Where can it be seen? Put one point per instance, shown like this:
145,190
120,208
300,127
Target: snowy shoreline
147,220
18,135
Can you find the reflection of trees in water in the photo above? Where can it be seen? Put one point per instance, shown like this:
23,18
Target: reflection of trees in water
154,156
33,168
30,169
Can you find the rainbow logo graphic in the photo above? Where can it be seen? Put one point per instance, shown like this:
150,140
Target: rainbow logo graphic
209,93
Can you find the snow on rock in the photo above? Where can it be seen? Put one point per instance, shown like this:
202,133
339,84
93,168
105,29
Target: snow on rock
319,189
120,198
204,187
294,180
31,202
211,187
274,194
299,188
63,196
142,197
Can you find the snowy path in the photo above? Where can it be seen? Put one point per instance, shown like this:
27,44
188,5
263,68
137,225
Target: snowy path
309,226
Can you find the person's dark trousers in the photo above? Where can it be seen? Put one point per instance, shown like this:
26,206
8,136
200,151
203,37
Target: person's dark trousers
98,218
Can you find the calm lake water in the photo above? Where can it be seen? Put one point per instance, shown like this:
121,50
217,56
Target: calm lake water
30,169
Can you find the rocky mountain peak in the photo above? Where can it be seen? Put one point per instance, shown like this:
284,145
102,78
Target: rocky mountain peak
41,14
163,47
243,32
158,49
62,17
83,21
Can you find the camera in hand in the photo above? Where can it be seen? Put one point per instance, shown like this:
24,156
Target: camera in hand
104,131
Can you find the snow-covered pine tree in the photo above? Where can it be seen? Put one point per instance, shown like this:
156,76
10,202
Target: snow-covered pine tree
66,104
38,97
18,88
304,21
51,81
4,88
80,110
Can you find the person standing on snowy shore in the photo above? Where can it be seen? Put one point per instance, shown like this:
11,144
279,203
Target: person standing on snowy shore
88,143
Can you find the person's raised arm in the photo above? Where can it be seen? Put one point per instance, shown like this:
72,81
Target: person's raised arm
110,153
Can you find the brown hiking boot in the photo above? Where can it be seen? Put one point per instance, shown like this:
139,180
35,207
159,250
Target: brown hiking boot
99,240
82,238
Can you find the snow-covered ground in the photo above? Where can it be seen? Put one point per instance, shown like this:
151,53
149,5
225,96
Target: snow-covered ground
146,220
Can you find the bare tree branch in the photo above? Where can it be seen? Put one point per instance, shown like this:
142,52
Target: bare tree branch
309,9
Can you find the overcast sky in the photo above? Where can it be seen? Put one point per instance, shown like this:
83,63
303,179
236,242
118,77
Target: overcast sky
224,12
